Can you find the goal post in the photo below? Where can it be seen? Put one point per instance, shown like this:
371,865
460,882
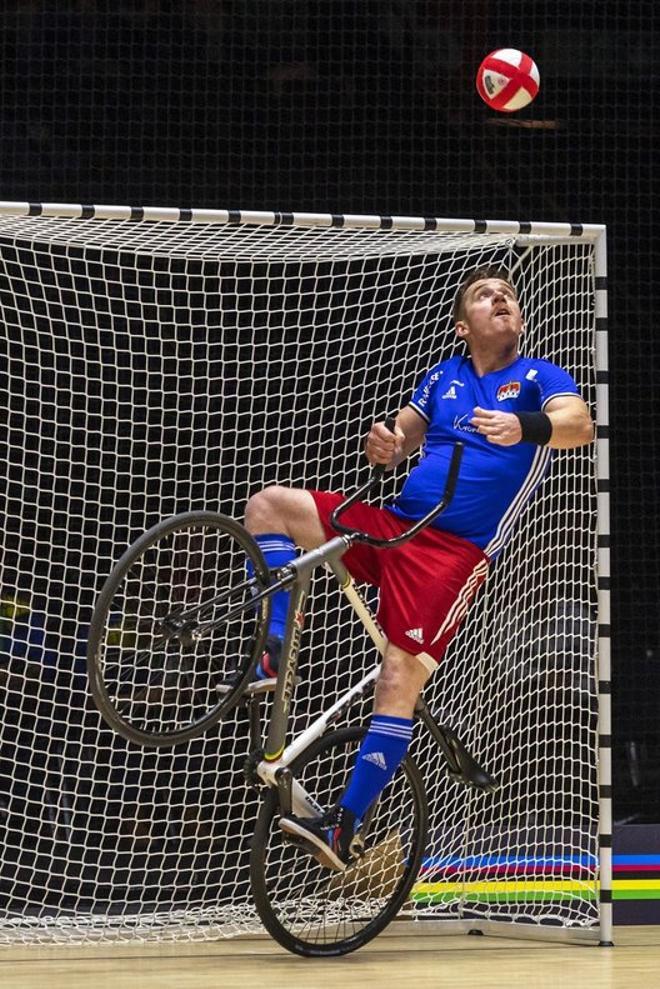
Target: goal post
161,360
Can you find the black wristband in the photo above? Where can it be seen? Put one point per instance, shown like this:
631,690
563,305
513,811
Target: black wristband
536,427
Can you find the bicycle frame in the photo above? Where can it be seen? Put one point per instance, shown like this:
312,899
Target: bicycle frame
275,772
273,767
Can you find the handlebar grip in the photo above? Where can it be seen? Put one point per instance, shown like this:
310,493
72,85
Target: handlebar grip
454,467
379,469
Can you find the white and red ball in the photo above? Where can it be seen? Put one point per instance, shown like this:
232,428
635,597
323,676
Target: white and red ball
507,80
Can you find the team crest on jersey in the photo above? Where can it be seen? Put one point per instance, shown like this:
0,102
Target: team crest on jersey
510,390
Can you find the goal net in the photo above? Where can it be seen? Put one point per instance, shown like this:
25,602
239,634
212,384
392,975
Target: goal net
160,361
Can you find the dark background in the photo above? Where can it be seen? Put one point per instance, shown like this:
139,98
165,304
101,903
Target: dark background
370,107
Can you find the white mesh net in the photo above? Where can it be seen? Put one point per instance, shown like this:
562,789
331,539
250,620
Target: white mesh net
155,368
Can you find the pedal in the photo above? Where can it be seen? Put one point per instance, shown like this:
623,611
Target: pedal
267,686
256,688
357,849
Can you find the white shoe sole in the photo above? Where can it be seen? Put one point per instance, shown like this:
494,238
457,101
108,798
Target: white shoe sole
315,845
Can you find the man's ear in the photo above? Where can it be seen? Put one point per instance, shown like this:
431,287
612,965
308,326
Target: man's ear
462,329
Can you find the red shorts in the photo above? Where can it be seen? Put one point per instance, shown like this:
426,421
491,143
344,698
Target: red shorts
426,585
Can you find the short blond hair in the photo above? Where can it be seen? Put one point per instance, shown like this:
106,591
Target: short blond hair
478,275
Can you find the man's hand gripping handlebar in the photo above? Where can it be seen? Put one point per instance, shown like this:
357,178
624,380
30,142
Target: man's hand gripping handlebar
375,478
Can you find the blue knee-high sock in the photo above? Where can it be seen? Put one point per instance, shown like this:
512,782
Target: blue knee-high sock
278,550
380,755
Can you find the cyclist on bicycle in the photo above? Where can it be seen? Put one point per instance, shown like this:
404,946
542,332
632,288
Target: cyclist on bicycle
510,412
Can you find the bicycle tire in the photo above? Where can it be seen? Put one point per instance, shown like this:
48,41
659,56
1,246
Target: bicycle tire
290,889
159,596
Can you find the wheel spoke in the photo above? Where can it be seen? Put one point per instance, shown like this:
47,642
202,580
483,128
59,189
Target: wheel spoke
158,669
314,911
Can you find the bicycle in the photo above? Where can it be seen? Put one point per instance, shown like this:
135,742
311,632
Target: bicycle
169,659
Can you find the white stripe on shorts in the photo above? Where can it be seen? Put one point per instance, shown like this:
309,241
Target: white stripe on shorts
463,598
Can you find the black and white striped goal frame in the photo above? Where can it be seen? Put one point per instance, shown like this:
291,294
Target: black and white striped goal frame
556,232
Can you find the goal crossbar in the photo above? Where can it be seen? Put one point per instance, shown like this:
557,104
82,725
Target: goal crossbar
348,221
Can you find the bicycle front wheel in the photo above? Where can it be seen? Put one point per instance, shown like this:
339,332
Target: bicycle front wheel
311,910
175,633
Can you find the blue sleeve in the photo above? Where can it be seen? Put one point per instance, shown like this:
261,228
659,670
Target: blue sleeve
553,381
423,394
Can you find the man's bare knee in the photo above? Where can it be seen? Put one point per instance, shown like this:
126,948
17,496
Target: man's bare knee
400,680
263,510
289,511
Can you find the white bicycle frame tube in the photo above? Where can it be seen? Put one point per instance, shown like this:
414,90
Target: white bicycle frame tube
303,804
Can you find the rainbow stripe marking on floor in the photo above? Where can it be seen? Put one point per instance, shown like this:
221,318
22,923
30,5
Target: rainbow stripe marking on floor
517,880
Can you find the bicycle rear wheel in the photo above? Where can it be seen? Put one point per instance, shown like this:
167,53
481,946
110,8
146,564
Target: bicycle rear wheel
311,910
175,633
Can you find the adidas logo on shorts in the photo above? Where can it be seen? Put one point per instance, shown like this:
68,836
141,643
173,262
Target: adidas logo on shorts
416,633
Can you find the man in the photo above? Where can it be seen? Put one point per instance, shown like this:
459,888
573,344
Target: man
510,412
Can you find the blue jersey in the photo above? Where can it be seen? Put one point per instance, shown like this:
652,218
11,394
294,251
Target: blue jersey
495,482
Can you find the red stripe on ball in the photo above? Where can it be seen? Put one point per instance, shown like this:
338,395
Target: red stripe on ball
518,77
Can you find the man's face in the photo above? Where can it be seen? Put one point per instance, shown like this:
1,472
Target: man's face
491,315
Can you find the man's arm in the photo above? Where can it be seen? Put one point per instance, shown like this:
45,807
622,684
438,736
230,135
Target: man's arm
572,426
383,447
